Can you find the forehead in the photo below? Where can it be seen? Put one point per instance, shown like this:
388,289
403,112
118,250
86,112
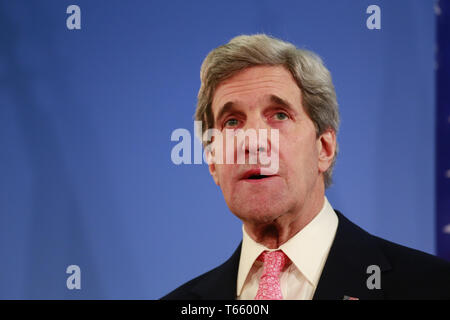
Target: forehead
255,83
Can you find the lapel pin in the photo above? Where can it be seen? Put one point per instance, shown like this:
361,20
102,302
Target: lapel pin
350,298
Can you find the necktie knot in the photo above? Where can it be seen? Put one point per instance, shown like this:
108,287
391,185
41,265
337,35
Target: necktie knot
273,261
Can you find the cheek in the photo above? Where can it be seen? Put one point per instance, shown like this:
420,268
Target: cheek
300,156
224,174
224,148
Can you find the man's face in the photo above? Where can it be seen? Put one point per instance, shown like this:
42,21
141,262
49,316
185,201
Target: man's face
267,97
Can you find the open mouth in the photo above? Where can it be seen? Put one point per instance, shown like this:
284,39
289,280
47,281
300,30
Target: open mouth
257,177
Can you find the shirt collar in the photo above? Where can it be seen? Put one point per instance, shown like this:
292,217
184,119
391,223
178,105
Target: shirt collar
308,249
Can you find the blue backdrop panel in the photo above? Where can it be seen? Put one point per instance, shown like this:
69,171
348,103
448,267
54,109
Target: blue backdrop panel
443,130
86,118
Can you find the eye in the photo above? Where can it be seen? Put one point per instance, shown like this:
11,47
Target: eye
231,123
281,116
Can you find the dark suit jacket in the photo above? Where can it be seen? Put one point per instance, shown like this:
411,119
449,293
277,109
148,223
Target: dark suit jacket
405,273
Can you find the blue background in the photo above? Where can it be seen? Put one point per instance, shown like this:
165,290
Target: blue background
86,117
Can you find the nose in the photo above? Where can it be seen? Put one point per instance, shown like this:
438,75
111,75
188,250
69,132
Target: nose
255,138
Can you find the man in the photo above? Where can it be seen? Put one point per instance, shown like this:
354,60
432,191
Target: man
295,246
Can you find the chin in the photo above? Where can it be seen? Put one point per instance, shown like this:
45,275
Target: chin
258,213
259,206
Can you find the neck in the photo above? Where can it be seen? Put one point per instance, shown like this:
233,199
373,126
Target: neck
272,235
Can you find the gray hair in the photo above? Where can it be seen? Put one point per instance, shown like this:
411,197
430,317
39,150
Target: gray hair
308,70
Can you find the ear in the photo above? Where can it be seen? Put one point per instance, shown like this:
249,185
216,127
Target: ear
326,147
212,168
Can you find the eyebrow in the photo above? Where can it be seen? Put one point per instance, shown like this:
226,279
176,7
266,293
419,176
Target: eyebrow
225,109
230,105
277,100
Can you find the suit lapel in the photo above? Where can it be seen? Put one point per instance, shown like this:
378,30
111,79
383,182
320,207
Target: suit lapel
345,271
220,283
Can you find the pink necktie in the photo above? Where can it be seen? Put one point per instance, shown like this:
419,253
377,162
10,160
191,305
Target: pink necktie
269,284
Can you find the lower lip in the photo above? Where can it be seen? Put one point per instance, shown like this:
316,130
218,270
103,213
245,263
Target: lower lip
259,180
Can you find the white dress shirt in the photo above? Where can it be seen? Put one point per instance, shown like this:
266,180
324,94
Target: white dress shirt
308,251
